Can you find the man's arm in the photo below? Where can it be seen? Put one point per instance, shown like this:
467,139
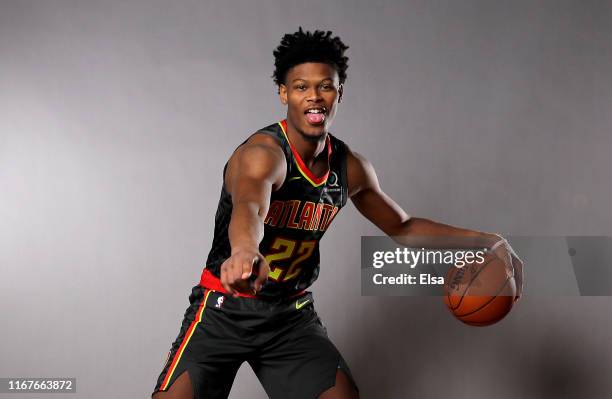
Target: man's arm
254,170
380,209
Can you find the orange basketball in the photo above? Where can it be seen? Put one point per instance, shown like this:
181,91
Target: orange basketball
480,294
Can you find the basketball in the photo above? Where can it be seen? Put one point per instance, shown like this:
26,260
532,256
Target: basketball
480,294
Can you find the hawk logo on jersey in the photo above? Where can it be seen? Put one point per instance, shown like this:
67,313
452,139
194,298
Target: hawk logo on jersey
220,301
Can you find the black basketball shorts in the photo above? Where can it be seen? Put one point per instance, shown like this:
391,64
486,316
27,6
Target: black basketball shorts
283,340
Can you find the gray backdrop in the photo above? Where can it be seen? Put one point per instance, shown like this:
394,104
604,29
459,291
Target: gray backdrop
116,119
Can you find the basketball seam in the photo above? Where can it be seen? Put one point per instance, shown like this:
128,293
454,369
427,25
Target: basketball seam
489,301
471,281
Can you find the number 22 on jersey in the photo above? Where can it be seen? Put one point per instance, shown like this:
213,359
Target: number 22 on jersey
288,250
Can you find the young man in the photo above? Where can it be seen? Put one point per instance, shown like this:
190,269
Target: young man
282,188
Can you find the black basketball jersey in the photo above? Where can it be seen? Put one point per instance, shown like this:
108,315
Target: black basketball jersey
300,212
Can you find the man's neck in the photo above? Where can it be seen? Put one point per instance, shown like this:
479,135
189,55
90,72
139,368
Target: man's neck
309,149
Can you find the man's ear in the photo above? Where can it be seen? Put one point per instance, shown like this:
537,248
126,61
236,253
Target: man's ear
340,91
282,93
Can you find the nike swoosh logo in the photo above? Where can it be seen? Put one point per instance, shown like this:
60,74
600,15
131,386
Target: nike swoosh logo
295,178
299,305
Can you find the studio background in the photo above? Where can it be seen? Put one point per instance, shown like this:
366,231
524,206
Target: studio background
116,119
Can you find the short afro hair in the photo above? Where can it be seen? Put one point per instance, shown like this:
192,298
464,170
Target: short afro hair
301,47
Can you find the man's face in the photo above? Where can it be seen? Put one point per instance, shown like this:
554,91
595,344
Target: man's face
311,92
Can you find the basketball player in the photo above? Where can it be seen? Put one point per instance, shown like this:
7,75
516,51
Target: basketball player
282,188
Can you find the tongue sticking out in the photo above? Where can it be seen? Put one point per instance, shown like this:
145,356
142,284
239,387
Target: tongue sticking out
315,118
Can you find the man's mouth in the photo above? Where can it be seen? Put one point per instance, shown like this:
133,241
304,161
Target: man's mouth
315,115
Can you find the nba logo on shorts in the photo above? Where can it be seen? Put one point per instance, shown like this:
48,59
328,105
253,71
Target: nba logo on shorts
220,301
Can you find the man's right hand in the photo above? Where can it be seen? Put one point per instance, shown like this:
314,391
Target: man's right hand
238,269
505,252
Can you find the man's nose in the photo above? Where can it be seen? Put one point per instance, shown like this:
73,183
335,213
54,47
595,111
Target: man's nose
314,94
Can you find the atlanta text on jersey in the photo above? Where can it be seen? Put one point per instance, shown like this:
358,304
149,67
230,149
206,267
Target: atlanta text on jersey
296,214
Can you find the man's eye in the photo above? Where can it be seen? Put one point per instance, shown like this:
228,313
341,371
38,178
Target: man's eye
300,87
326,87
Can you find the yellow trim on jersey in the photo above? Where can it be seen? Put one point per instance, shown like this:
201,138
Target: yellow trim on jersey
298,165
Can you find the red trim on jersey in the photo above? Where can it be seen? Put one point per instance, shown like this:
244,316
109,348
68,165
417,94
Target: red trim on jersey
303,168
212,282
179,353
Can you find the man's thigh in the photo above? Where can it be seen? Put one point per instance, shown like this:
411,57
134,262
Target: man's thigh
302,362
209,355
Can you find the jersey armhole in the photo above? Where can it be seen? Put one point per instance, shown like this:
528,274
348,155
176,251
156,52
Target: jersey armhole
343,153
284,148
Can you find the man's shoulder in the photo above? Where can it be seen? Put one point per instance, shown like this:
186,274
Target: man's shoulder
268,135
262,138
273,128
262,142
